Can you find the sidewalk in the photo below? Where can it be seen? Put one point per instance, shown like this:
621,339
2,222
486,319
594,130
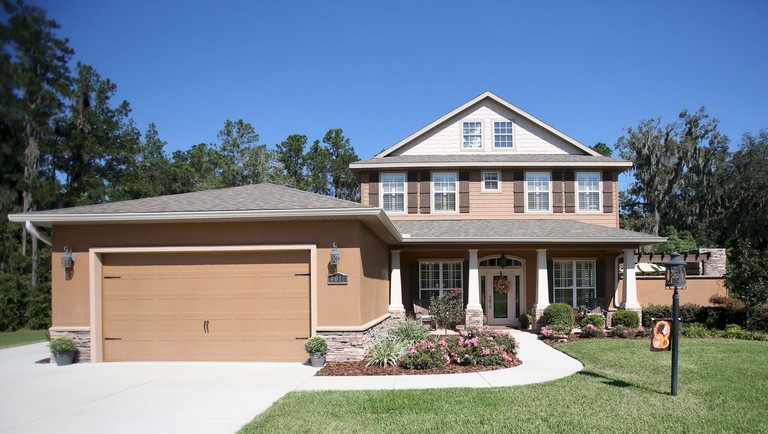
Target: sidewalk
540,363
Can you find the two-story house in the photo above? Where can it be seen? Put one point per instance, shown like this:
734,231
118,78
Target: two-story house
487,199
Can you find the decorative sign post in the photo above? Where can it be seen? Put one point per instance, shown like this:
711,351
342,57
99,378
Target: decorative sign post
675,278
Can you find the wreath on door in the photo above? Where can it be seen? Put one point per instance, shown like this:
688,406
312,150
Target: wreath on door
501,285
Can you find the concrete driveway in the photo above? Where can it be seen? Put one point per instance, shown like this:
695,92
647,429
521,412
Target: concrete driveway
146,397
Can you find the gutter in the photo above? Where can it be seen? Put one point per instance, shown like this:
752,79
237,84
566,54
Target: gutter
34,232
642,241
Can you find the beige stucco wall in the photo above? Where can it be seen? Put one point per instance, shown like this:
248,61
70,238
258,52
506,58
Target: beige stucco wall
362,300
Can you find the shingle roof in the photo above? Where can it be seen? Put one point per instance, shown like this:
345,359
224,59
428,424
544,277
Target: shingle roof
489,160
256,197
516,230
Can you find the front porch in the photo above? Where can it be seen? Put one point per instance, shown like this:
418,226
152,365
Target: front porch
501,282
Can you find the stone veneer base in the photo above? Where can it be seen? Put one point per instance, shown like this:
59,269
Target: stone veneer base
351,345
81,336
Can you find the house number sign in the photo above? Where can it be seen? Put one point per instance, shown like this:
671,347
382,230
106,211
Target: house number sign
337,279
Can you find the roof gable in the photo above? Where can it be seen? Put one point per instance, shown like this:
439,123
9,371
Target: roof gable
533,135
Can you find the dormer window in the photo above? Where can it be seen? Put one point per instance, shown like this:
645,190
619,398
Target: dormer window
473,136
393,192
502,134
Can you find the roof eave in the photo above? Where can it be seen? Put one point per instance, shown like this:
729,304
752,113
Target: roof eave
538,240
188,216
386,165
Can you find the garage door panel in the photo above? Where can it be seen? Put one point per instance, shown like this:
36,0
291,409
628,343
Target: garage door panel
254,302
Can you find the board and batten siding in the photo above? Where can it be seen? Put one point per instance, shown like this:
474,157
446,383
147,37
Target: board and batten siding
528,138
501,205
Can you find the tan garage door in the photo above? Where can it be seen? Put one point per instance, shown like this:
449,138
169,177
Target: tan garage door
206,306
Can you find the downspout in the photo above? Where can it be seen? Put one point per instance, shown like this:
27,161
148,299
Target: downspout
33,231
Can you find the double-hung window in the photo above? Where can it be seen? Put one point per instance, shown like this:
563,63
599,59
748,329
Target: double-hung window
393,192
472,135
502,134
491,181
438,277
444,188
588,188
538,191
574,281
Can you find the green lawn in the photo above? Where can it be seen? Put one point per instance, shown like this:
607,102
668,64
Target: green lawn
22,337
624,387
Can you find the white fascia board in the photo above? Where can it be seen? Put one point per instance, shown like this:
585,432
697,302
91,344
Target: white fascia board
640,241
190,216
575,166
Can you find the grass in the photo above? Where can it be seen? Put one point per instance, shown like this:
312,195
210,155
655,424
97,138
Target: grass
22,337
623,388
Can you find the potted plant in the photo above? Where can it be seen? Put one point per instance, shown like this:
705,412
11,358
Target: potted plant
316,347
63,350
525,321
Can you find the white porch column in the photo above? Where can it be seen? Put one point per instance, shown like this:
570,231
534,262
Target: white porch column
396,308
542,284
630,282
474,312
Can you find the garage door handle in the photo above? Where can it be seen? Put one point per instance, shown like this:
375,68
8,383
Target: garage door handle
302,337
113,339
205,326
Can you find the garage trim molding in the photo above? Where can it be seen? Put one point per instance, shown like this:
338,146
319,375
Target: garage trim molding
95,255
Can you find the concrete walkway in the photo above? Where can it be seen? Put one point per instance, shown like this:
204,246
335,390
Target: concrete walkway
540,363
209,397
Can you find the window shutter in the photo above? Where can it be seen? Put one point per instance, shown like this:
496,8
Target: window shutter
570,189
424,192
413,192
557,192
373,189
607,192
519,181
464,192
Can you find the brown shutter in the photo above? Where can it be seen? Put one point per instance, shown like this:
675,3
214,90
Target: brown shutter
464,192
373,189
519,178
570,189
424,200
557,191
607,192
413,192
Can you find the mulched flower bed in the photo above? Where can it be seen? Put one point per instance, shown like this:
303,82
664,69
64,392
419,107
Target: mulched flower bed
346,369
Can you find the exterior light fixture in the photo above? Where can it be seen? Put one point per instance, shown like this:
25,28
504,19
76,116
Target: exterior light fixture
335,255
68,261
674,279
503,261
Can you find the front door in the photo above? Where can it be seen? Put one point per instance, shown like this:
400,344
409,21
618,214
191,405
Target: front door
501,289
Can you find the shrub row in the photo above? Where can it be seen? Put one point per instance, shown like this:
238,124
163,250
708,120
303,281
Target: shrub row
731,331
713,317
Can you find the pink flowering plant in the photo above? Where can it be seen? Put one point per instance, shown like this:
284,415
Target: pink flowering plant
470,347
591,331
625,332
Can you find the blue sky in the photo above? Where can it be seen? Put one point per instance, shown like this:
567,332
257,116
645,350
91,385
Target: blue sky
381,70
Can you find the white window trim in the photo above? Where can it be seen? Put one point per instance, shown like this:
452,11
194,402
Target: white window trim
573,287
599,209
512,133
482,181
549,211
456,192
405,192
482,136
441,262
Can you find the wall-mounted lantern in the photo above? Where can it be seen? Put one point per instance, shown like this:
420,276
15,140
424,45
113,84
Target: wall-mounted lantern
335,255
68,262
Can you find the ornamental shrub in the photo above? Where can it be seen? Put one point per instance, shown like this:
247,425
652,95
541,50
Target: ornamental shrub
409,331
690,312
757,319
626,318
591,331
559,314
423,355
385,353
479,347
63,345
622,331
694,330
448,309
315,344
655,311
593,319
